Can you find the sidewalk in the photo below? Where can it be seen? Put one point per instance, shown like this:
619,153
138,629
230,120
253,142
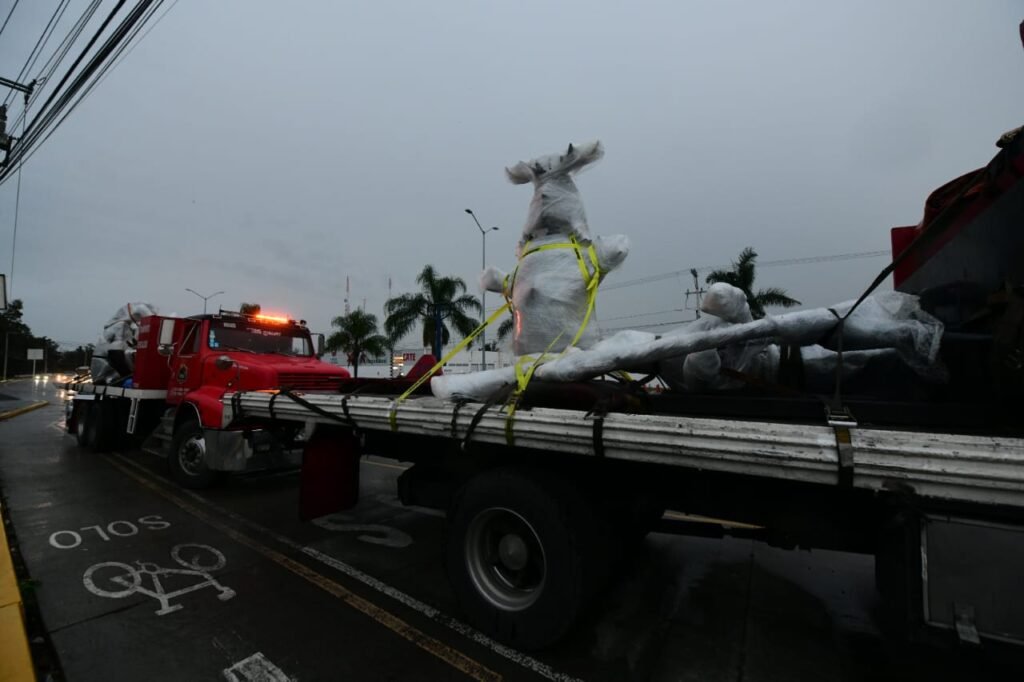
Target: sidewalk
15,659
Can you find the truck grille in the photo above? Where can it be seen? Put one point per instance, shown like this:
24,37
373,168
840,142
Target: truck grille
310,382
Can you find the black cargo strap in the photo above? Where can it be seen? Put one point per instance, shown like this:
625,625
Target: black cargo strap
317,409
842,422
270,405
599,412
500,395
455,418
236,406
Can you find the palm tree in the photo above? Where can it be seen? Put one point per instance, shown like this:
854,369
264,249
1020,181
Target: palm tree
440,299
249,308
506,327
357,335
742,276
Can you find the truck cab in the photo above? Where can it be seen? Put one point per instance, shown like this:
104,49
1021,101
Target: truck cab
199,359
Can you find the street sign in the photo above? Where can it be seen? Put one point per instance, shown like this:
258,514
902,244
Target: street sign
35,354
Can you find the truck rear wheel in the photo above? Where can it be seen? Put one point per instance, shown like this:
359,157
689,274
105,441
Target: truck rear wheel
85,427
187,458
523,556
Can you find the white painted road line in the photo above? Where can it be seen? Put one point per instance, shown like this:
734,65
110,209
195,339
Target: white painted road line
256,668
528,662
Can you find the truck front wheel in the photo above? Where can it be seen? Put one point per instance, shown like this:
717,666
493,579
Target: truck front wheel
522,556
187,458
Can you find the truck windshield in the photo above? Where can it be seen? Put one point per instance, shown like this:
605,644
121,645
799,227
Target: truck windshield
240,335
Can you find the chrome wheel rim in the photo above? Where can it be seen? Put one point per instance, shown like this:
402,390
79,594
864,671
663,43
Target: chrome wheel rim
191,455
505,559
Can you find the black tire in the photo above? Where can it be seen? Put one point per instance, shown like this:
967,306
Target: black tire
102,433
523,556
186,458
85,430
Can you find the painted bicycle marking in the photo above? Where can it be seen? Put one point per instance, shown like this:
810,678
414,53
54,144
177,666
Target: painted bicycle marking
117,580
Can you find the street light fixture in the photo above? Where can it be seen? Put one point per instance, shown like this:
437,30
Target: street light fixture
205,298
483,293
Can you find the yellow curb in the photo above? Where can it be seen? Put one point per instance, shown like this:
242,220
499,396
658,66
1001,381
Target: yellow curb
15,658
23,410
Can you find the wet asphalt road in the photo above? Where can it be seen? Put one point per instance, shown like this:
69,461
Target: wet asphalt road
137,579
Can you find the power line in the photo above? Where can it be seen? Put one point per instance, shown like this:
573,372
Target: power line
107,66
762,264
648,326
13,7
46,73
99,62
40,43
634,316
17,207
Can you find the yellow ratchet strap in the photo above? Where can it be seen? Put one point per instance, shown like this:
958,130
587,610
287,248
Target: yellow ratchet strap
393,416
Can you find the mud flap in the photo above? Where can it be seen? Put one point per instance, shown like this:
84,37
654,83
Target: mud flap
330,473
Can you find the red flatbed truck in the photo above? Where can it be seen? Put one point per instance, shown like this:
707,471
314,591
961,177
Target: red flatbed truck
927,477
171,403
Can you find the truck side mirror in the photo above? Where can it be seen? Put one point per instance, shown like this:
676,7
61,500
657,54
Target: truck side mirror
165,345
319,345
223,362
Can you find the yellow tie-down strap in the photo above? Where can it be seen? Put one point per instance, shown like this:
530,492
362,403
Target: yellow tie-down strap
591,280
393,416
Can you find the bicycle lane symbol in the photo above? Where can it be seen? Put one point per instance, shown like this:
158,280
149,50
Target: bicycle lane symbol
117,580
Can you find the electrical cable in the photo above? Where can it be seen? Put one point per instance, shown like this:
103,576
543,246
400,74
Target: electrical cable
763,264
46,73
17,206
45,119
107,66
40,43
13,7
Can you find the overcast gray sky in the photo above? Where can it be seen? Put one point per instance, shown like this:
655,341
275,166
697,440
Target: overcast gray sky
270,149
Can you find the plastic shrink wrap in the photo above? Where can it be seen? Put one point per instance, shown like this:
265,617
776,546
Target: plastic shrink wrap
113,359
559,264
889,320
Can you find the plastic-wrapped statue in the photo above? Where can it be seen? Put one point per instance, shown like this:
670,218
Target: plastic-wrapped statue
114,356
554,284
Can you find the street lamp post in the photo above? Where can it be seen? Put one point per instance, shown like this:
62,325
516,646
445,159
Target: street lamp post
483,292
205,298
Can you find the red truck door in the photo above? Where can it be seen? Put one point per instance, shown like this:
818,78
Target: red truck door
186,363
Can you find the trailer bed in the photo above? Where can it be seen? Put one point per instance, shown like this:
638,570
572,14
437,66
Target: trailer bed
944,466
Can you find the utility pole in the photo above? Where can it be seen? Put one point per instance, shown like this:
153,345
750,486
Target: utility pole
483,293
347,291
697,291
5,139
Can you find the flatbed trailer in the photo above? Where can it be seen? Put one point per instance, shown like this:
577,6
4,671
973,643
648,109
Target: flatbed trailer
543,508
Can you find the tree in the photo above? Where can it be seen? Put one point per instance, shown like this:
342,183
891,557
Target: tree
357,335
742,276
249,308
506,327
440,301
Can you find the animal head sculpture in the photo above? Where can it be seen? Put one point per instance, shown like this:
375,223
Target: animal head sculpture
556,207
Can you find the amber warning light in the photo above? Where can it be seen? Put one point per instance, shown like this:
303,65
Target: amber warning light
272,318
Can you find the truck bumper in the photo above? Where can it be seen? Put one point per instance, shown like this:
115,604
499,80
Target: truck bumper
247,451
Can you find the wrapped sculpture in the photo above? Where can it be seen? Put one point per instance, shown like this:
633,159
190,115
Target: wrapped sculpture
553,286
113,359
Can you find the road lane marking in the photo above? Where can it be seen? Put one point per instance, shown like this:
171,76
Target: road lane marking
384,464
256,668
372,533
532,664
10,414
456,659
